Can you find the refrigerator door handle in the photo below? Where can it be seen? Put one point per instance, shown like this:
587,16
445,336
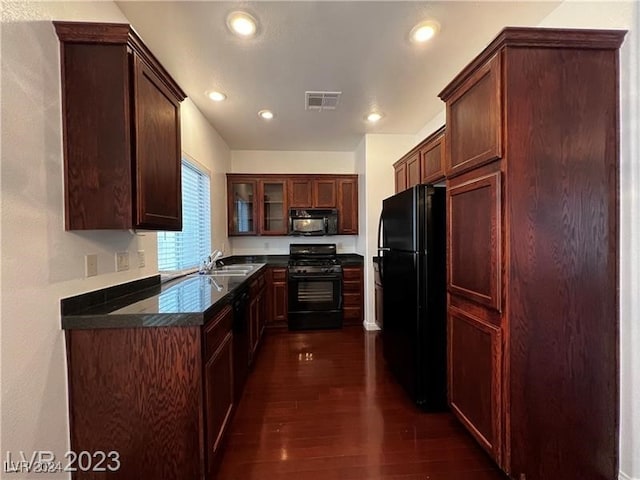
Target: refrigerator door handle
380,245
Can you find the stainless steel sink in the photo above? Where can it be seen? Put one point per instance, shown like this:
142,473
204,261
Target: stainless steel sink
239,270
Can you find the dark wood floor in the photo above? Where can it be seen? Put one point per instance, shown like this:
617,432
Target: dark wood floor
321,405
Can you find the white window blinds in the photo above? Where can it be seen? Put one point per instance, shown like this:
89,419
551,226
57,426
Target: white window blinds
186,249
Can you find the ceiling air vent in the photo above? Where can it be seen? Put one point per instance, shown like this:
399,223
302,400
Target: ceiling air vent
321,100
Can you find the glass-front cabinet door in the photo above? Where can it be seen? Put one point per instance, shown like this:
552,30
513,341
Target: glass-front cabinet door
274,218
242,207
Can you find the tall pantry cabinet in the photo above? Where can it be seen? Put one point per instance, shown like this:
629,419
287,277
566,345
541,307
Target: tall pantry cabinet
532,176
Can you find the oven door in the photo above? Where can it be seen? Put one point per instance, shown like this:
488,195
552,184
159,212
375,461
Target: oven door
308,226
315,301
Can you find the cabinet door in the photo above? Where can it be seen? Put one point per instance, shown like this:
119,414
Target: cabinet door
474,120
278,297
157,152
432,161
348,206
241,206
273,207
475,385
474,238
413,170
300,193
324,193
401,176
253,328
218,381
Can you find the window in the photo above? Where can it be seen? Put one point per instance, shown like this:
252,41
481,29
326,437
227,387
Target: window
186,249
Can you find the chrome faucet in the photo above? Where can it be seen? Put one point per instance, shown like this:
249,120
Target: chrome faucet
209,263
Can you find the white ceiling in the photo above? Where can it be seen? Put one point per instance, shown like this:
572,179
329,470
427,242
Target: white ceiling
360,48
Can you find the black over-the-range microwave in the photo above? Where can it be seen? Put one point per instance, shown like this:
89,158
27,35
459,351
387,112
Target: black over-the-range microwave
313,221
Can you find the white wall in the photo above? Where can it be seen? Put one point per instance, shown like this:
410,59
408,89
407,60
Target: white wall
623,15
361,169
272,161
40,262
381,152
200,142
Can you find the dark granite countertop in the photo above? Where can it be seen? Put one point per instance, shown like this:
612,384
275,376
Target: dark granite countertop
185,301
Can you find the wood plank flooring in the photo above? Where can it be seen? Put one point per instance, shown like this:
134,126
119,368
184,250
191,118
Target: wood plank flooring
322,406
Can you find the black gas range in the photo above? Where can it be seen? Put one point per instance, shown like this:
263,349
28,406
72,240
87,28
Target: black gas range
315,286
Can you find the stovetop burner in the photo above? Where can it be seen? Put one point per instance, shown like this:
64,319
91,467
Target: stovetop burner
313,259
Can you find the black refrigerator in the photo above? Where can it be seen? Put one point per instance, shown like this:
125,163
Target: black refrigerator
411,245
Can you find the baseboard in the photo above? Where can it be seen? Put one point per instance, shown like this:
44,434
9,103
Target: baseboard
624,476
373,326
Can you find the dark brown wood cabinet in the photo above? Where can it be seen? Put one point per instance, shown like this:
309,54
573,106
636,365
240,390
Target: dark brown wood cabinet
162,397
218,384
277,303
400,169
121,123
300,192
532,177
353,295
479,97
273,209
348,205
259,204
413,169
424,163
432,157
242,207
257,311
324,193
474,236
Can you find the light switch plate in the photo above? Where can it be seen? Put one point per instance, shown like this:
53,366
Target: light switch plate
122,261
141,259
91,265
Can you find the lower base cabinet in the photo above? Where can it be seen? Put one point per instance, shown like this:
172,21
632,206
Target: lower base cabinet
162,398
277,301
475,352
352,295
218,385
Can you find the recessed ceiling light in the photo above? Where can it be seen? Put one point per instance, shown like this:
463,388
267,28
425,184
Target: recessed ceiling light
373,117
266,114
242,24
216,96
424,31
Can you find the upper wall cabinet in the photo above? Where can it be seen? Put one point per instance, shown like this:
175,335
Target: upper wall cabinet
475,143
425,163
275,194
121,121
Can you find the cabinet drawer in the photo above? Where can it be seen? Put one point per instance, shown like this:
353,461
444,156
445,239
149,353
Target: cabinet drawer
279,274
474,120
216,329
352,273
351,313
352,299
351,286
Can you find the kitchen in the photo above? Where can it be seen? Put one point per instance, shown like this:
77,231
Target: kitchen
34,393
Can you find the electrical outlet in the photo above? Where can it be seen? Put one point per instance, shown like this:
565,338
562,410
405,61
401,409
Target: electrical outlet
122,261
91,265
141,259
